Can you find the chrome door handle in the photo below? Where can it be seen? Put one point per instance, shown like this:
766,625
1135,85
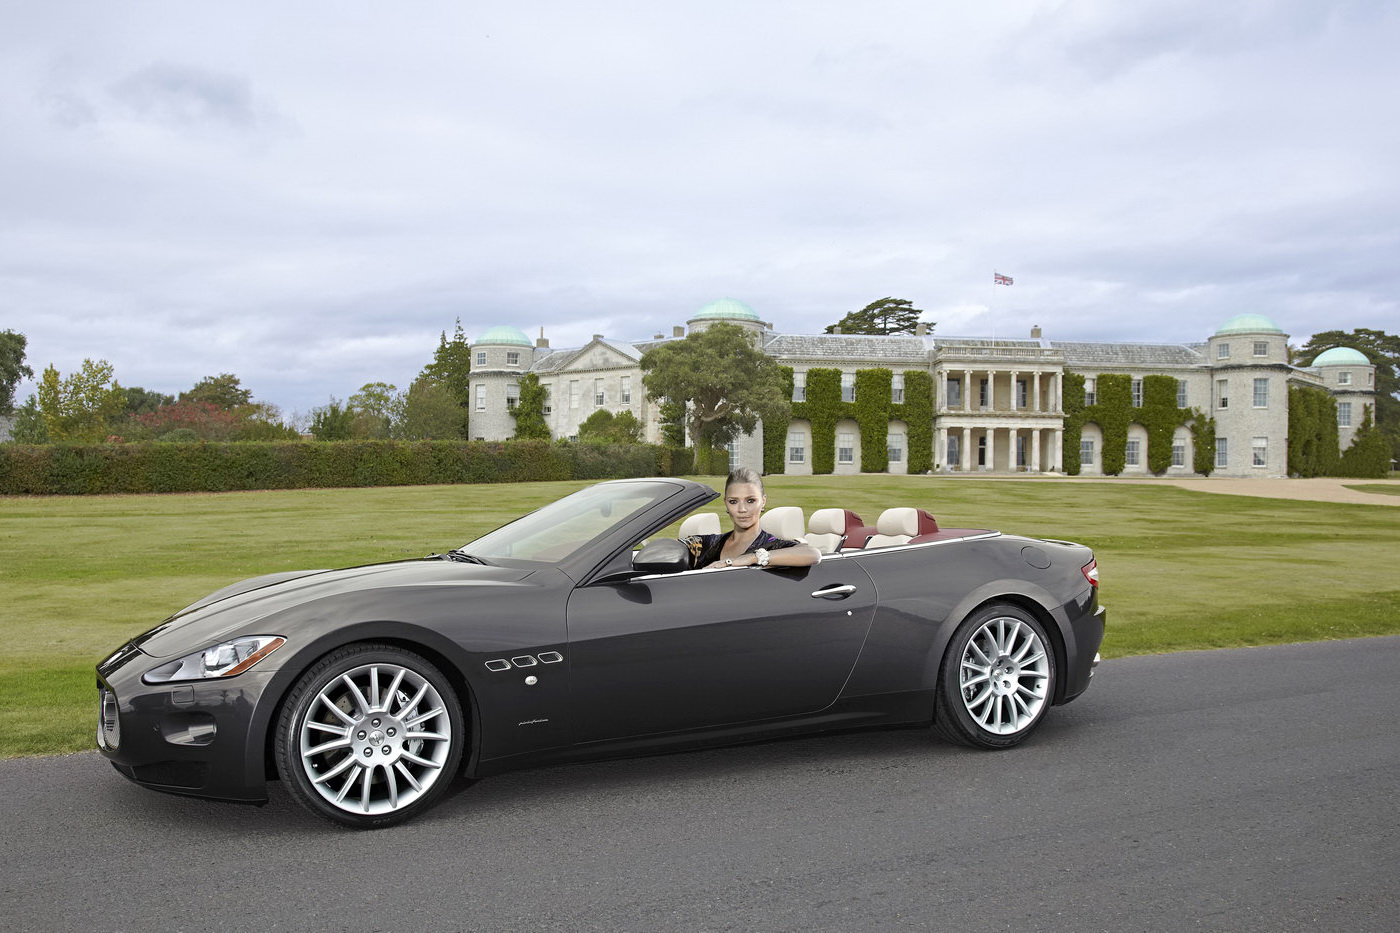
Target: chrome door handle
840,591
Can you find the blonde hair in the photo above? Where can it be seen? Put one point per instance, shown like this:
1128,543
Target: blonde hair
744,475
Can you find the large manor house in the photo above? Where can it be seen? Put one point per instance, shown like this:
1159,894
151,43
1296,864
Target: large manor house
997,404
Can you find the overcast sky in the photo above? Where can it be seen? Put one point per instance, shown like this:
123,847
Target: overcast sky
307,194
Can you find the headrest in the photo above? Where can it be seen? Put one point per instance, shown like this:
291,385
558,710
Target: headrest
828,522
906,521
784,522
701,523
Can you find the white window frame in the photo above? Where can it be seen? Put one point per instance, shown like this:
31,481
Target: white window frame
848,387
797,446
1259,452
1137,393
1261,391
512,357
799,387
1344,414
1222,393
626,394
481,398
894,447
1344,378
845,447
481,357
600,394
573,393
1181,393
1086,451
953,453
1222,351
1178,453
954,387
1091,394
897,389
1132,453
1261,348
1222,452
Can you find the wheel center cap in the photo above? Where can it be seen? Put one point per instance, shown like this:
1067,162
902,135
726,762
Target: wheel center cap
376,737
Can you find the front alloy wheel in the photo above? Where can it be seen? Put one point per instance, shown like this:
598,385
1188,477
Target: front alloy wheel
370,736
997,678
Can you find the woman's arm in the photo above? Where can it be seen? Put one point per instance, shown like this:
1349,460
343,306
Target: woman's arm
799,555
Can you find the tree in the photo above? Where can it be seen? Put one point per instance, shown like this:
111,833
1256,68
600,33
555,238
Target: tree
332,421
529,411
606,427
141,401
427,411
12,368
1383,350
372,409
222,390
726,382
886,316
451,368
83,406
1369,454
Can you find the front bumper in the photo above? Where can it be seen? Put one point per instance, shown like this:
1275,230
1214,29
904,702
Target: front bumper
203,738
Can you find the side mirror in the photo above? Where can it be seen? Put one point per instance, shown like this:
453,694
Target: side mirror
664,556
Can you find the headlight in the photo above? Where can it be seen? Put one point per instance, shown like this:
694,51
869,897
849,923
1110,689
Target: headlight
225,660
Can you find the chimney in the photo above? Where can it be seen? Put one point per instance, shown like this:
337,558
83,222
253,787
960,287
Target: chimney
656,337
920,329
597,336
543,342
1035,332
677,331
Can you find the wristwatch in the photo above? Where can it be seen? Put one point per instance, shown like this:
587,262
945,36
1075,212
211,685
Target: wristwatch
729,562
762,556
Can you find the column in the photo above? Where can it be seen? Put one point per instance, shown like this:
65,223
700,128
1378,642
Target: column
967,390
1035,448
940,449
1056,395
1056,450
965,455
1035,393
1014,374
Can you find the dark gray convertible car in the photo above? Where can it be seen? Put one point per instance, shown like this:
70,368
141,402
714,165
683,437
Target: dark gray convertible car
567,634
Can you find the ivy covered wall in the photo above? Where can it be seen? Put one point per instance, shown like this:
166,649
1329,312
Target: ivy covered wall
873,410
1113,411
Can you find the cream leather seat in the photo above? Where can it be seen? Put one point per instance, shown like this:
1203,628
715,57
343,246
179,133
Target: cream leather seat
701,523
900,526
786,521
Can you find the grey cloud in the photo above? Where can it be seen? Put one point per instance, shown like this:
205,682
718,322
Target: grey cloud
187,96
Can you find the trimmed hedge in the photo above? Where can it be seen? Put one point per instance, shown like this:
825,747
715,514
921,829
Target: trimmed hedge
222,467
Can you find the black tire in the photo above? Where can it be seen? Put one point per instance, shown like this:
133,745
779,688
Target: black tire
997,679
370,736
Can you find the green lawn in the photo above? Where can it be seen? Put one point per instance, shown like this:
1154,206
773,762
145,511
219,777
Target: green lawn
1180,569
1384,489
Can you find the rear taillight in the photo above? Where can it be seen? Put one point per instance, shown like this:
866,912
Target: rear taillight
1091,573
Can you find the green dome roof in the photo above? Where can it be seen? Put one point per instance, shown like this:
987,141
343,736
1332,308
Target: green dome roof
1341,356
508,336
1248,324
730,309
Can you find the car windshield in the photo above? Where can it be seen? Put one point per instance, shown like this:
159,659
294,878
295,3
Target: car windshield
560,529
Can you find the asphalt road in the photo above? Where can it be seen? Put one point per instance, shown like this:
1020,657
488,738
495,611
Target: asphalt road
1240,790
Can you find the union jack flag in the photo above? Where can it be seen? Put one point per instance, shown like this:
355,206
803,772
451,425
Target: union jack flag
999,279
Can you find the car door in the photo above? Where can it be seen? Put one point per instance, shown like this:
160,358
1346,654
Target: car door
700,649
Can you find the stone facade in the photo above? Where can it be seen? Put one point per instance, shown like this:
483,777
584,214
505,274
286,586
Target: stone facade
998,402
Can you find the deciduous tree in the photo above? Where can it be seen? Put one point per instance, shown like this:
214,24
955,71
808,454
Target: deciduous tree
222,390
12,368
83,406
603,425
726,383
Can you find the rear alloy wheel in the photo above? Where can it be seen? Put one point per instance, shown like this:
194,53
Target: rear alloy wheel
371,736
997,678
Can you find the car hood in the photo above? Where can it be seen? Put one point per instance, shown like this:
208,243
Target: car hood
232,610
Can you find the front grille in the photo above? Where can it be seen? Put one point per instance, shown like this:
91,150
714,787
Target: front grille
109,729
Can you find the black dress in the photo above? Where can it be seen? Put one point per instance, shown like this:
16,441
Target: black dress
705,549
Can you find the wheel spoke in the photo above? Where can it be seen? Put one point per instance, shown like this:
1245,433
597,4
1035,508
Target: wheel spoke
423,717
336,711
393,690
427,763
366,784
374,687
327,747
417,698
346,762
349,782
360,701
330,727
407,775
392,783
